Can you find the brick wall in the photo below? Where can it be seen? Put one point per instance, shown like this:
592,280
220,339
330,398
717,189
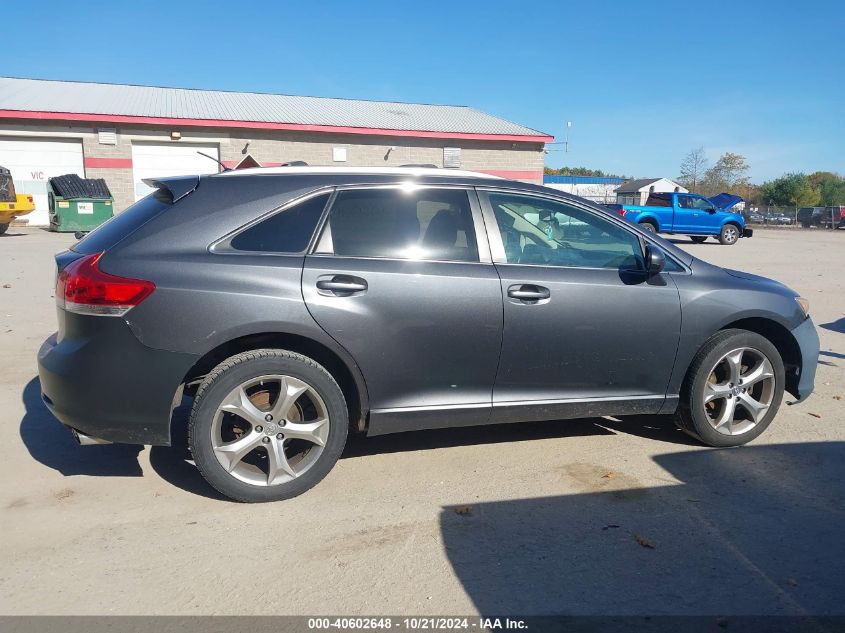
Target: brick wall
522,161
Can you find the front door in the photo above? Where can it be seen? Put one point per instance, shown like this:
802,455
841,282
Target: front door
585,330
402,278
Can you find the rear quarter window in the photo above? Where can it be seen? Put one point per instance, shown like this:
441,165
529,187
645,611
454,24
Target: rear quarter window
287,231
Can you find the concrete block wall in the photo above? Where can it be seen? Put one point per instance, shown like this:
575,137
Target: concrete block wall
521,161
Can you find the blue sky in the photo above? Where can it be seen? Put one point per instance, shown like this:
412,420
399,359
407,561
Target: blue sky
642,82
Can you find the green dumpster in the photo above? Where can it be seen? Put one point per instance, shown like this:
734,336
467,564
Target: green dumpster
78,204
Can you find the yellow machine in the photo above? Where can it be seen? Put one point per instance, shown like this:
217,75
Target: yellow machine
12,204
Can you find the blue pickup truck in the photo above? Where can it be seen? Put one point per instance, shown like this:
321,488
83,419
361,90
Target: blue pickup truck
690,214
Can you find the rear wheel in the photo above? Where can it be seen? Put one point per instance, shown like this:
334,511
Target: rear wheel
649,226
4,228
267,425
733,389
698,239
729,234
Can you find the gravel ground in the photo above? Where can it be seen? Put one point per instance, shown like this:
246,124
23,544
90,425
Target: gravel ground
583,517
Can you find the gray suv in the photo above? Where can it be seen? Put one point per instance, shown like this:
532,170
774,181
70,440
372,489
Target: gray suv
296,305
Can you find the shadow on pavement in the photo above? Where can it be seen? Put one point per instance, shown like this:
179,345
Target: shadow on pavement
751,531
50,443
173,463
654,427
835,326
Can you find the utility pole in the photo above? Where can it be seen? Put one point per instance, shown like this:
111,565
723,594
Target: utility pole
566,137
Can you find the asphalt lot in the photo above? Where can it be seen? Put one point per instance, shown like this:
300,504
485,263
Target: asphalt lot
523,519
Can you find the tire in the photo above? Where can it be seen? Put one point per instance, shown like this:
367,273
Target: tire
700,420
4,228
213,432
729,234
698,239
649,226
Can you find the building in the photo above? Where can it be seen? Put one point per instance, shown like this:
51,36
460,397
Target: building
636,191
127,133
597,189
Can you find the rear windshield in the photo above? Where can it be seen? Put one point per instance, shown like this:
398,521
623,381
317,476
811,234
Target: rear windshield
111,232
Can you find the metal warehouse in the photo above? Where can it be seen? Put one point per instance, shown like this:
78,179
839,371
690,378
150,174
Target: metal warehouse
125,133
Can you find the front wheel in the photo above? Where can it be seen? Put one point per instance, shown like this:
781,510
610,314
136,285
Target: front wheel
698,239
733,389
267,425
729,234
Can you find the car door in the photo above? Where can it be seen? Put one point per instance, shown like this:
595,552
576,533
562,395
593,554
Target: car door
586,331
401,277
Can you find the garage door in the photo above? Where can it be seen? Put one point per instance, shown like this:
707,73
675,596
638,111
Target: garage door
151,160
33,161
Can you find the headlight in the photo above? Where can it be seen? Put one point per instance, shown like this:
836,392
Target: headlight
805,305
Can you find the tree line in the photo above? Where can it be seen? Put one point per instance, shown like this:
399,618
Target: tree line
730,173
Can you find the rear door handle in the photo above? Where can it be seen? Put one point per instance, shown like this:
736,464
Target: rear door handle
340,285
528,293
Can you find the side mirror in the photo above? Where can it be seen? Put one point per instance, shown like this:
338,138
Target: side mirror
655,260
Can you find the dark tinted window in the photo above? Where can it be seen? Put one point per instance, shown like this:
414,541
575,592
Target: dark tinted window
427,224
288,231
110,233
659,200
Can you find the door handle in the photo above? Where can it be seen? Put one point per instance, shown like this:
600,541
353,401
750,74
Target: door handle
340,285
529,293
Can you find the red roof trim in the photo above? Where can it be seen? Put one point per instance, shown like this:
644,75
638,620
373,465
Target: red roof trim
264,125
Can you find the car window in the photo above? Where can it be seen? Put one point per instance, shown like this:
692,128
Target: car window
287,231
702,204
547,232
425,224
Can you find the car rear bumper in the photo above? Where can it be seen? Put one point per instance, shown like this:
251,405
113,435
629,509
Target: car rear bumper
808,345
106,384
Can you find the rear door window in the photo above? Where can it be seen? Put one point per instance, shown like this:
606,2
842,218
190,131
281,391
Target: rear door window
422,224
288,231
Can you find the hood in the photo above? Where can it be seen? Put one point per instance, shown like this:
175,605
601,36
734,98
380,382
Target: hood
725,201
765,281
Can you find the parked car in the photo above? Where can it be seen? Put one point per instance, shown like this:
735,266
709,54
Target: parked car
755,218
689,213
781,219
824,217
295,305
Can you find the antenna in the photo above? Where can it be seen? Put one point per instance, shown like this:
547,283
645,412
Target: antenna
215,160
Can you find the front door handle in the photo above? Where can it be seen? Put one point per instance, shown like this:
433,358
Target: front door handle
340,285
529,293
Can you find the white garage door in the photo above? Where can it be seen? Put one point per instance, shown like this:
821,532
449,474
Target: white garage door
33,161
151,160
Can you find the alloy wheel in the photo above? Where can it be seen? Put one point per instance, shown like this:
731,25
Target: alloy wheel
739,391
270,430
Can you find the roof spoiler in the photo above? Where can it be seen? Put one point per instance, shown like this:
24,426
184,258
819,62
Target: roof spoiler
177,186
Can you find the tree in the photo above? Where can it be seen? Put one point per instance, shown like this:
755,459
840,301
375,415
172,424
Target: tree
831,188
729,173
794,190
693,168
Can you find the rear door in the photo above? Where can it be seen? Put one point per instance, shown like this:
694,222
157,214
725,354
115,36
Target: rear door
402,278
584,328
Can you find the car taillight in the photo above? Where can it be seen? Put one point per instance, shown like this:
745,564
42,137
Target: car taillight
85,289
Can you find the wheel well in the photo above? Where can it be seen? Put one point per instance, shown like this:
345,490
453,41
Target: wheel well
782,339
651,221
291,342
